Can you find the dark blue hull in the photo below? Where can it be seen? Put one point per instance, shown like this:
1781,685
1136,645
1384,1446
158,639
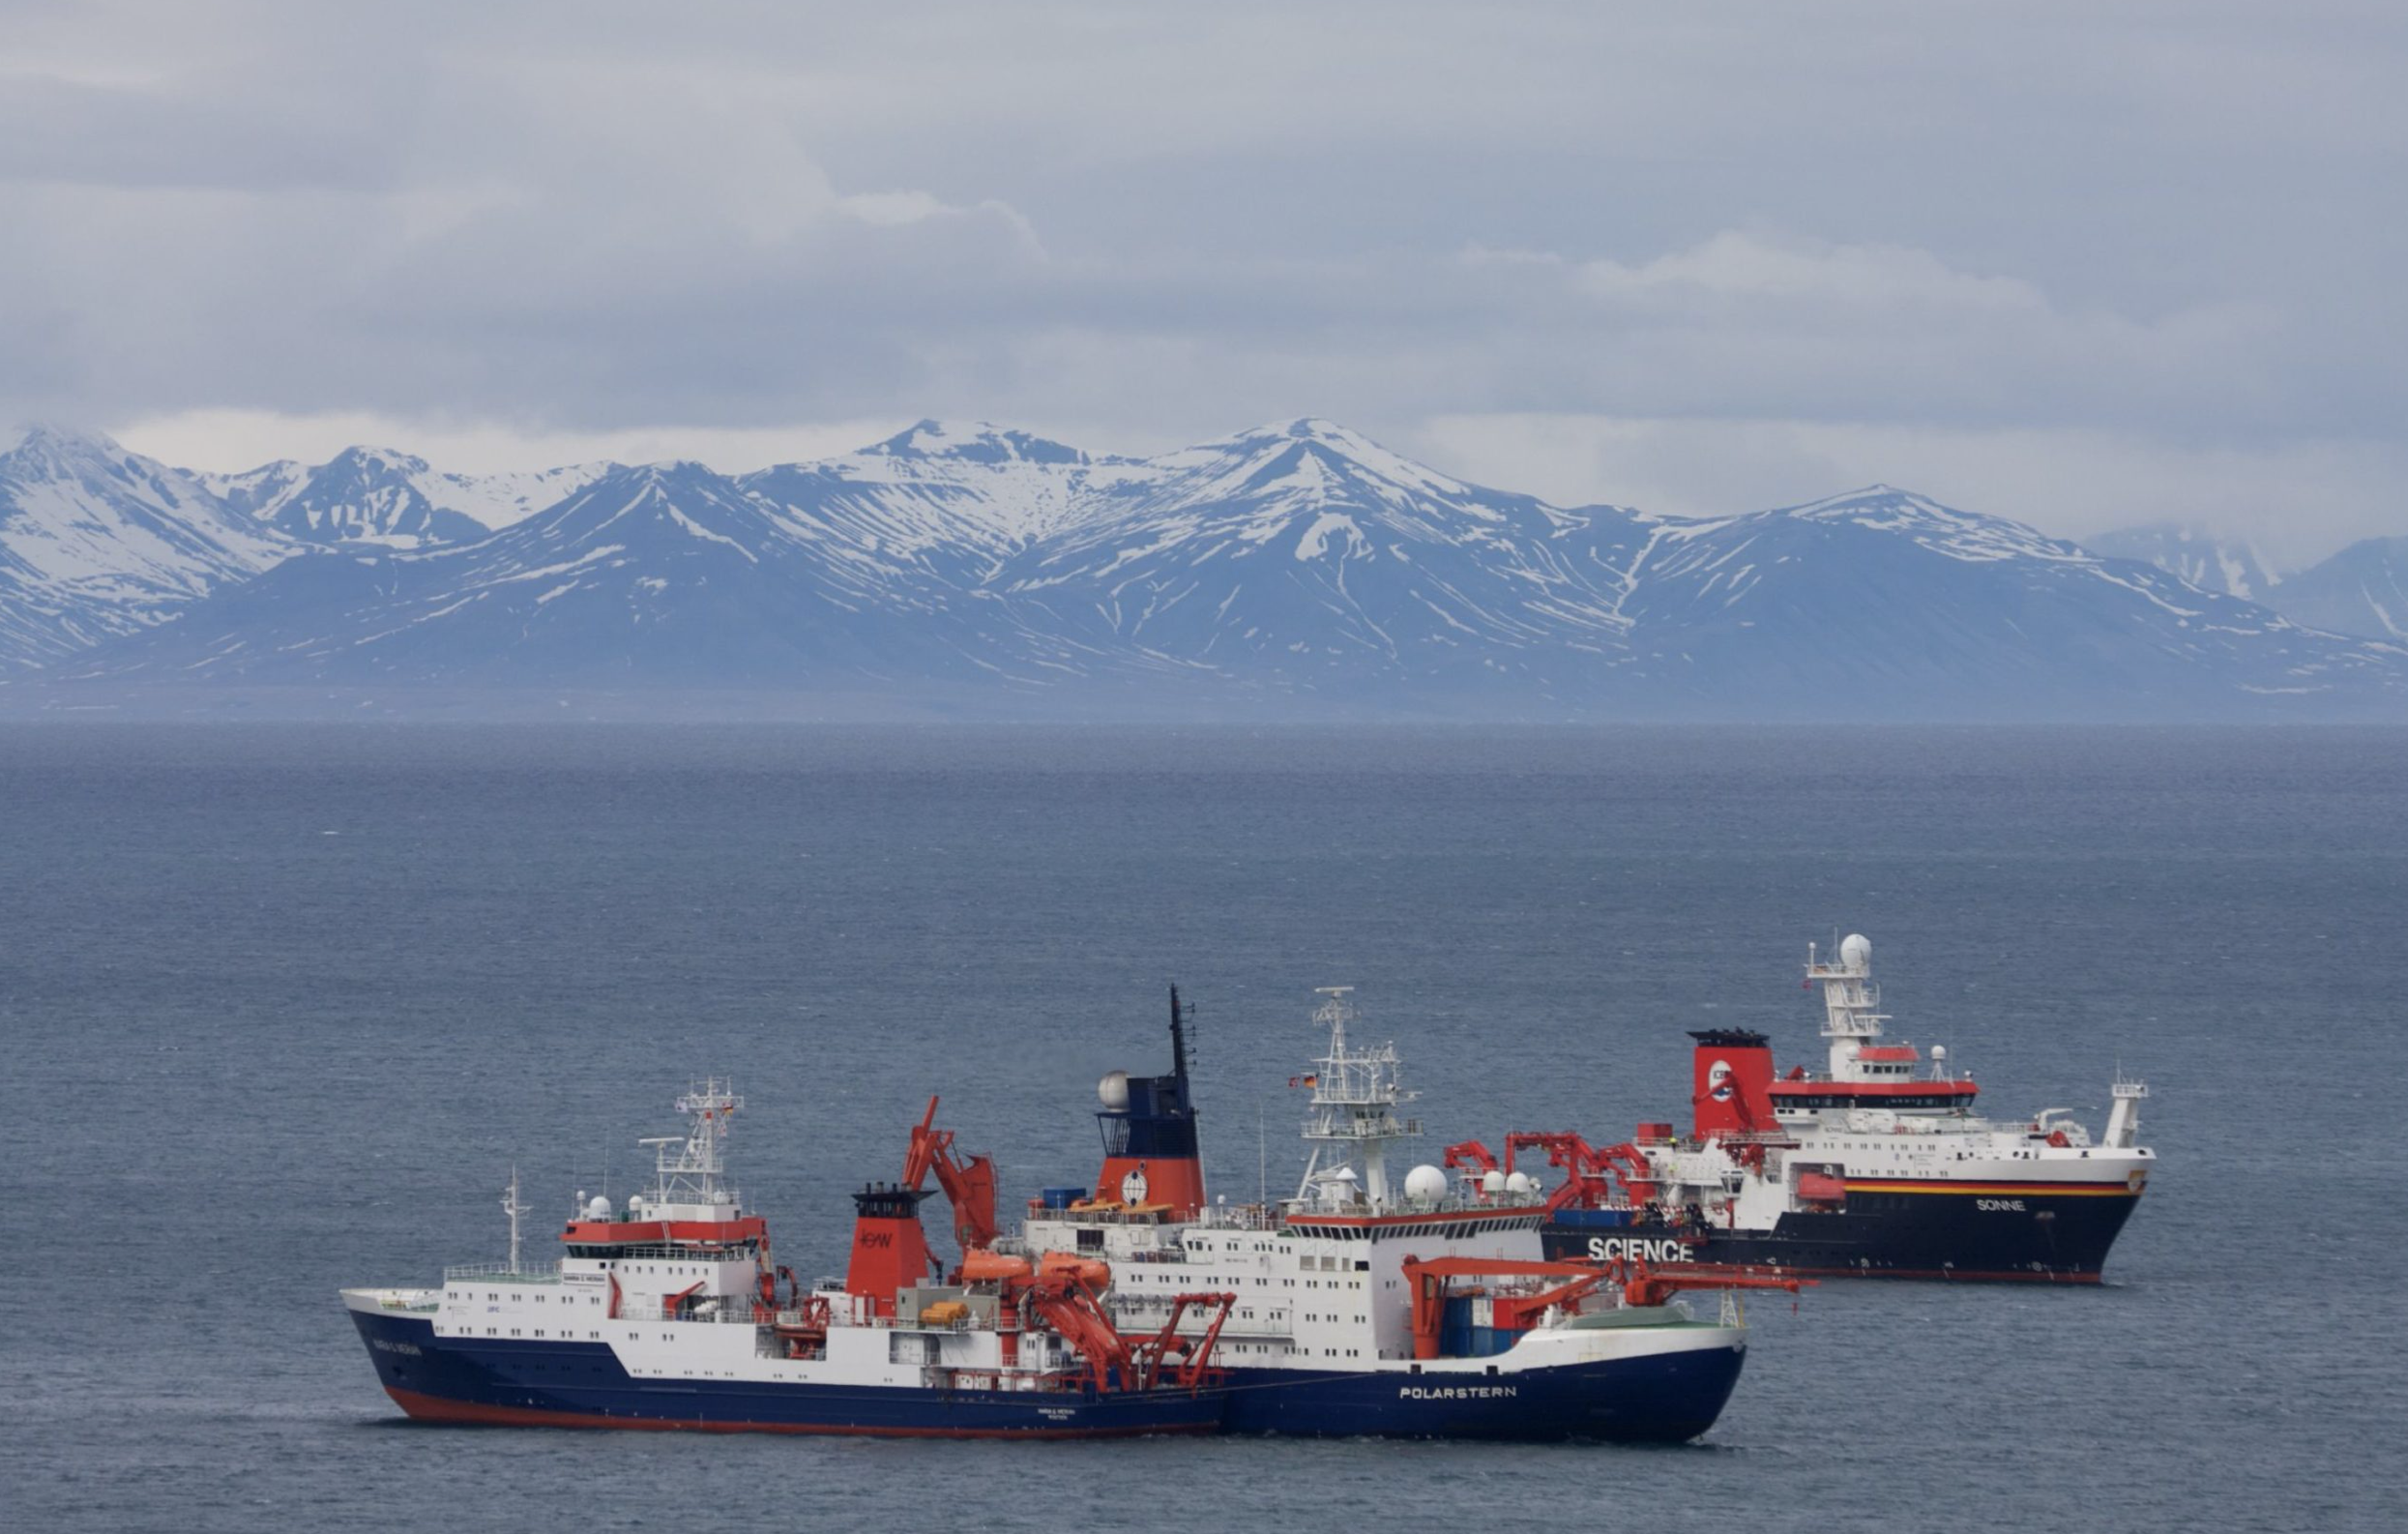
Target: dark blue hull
581,1385
1667,1397
2026,1236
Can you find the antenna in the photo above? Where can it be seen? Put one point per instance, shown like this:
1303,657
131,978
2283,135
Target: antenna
1262,1153
512,1207
1178,1036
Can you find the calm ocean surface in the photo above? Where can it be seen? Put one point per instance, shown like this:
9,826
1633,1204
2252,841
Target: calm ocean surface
282,1006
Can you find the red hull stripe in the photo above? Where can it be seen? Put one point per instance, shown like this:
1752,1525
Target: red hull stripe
1997,1189
436,1408
604,1232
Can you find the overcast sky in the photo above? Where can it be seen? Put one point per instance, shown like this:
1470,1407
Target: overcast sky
2082,265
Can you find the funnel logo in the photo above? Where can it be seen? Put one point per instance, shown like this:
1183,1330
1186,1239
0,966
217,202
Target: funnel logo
1718,1081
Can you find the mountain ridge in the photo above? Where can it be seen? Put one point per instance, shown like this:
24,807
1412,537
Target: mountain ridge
1296,569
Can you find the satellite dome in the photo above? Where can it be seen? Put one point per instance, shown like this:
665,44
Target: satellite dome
599,1208
1522,1183
1856,951
1426,1184
1345,1174
1113,1090
1492,1180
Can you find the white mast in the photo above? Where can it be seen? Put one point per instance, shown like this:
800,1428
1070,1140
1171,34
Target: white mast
1852,1014
512,1207
686,1168
2124,1119
1355,1096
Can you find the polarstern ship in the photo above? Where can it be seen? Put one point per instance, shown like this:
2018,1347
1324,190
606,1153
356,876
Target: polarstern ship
1875,1167
1136,1308
1363,1307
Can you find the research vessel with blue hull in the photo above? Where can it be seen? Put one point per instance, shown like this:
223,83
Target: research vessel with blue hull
669,1313
1363,1307
1874,1167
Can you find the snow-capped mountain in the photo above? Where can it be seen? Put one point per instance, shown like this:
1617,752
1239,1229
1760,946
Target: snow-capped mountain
1886,603
256,492
945,502
1305,557
377,495
666,574
2363,589
1294,571
96,542
2194,556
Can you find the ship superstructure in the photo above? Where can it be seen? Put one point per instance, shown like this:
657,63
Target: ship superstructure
1876,1166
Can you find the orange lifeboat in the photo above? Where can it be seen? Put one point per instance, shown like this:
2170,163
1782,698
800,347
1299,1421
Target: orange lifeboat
981,1266
1094,1272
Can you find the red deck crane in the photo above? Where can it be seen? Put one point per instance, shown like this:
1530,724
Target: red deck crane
968,1182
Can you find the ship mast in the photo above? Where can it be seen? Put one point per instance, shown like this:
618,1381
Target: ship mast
1852,1014
1353,1116
688,1167
512,1207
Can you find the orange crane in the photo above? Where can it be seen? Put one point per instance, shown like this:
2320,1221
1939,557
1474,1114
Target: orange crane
969,1182
1586,1167
1471,1153
1057,1290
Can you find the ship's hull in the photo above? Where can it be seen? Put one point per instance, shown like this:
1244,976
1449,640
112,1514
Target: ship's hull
560,1384
1670,1391
2039,1234
1658,1397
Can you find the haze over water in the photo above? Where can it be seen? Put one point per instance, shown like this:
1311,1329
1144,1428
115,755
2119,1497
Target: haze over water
285,1005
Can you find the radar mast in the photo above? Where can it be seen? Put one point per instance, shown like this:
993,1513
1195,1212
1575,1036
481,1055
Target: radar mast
1353,1117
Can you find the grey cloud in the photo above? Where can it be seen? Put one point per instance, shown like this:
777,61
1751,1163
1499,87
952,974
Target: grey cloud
2165,222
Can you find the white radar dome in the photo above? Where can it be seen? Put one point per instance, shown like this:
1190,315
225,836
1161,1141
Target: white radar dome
1113,1090
1492,1180
1522,1183
598,1208
1856,951
1426,1184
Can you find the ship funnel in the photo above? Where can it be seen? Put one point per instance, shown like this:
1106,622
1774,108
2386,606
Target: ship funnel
1732,1077
1150,1155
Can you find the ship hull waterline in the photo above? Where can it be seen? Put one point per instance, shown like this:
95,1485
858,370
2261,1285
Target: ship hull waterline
1659,1397
2026,1236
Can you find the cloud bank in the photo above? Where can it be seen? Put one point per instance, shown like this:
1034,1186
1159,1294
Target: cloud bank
2081,265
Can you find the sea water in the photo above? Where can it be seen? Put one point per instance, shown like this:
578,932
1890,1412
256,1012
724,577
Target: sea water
283,1007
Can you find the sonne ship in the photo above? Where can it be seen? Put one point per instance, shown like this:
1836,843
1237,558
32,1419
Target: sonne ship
1876,1166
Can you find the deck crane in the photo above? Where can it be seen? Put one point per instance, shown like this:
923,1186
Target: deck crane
1586,1169
968,1182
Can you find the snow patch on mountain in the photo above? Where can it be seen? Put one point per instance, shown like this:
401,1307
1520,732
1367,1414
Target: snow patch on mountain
2360,590
2195,556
